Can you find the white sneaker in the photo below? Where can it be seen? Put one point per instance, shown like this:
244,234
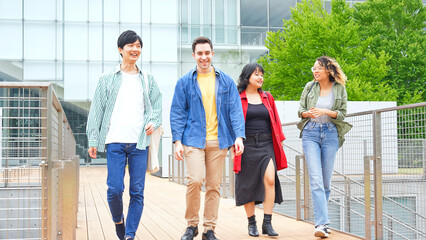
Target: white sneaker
320,231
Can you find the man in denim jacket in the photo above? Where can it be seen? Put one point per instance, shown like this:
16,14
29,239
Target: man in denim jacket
206,118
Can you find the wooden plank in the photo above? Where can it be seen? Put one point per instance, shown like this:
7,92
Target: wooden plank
81,231
93,222
104,215
164,213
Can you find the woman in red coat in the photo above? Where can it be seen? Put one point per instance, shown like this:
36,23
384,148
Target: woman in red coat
256,169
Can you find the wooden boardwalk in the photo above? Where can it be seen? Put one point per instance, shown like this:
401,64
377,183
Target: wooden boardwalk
164,210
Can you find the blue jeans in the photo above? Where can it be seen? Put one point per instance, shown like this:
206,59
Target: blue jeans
118,156
320,145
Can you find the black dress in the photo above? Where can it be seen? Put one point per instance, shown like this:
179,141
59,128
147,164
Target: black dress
258,150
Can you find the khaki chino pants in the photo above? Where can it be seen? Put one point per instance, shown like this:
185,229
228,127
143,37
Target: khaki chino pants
211,161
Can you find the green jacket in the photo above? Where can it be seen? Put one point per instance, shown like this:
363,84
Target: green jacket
309,99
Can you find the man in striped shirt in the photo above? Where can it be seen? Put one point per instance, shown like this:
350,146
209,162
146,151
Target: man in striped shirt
125,110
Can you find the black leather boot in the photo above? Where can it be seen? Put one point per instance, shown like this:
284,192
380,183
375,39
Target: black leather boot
252,227
267,226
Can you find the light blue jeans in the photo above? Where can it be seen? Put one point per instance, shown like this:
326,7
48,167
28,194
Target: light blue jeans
320,145
118,156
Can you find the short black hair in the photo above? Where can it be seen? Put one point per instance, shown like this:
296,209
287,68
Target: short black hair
127,37
243,80
201,40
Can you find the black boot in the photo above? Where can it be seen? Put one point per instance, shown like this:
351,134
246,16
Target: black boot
267,226
252,227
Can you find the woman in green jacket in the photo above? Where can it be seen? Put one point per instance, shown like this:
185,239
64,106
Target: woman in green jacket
322,111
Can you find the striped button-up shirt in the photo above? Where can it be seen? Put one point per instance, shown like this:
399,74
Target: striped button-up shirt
98,121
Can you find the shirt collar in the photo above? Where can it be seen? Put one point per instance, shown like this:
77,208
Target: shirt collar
118,69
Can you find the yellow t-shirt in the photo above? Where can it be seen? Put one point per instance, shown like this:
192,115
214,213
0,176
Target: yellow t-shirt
207,83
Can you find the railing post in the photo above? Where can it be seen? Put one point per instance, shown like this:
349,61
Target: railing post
377,171
231,176
306,192
224,178
347,204
424,158
170,158
44,163
173,162
298,190
5,125
179,172
49,162
182,163
367,191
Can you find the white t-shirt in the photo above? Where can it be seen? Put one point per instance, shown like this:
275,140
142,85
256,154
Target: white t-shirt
128,114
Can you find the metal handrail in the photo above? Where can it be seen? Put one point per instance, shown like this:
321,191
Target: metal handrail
48,152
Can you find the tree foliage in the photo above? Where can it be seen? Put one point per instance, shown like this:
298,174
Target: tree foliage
396,27
313,32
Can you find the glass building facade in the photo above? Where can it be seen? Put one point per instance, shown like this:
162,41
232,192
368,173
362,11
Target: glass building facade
70,43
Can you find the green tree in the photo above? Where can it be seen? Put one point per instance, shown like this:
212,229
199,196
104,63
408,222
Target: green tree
396,27
313,32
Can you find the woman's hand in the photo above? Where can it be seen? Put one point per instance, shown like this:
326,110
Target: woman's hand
318,112
308,114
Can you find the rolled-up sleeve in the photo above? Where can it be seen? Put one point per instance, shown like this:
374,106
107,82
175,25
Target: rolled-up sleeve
302,102
341,111
155,98
236,112
96,113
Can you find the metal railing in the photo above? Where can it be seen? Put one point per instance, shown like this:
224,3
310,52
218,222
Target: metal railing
378,182
378,185
39,168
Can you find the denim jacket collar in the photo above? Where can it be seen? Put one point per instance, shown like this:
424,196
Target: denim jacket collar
194,72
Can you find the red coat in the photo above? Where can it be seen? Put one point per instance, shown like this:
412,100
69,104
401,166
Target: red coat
276,128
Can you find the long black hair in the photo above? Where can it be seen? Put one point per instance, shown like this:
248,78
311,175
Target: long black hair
243,80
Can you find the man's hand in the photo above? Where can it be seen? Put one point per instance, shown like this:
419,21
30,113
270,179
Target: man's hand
178,150
92,152
149,128
239,146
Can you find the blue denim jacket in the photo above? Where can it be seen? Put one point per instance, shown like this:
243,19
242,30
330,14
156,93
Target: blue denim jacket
188,118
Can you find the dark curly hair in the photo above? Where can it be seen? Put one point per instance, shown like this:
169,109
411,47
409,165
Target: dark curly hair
333,68
243,80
